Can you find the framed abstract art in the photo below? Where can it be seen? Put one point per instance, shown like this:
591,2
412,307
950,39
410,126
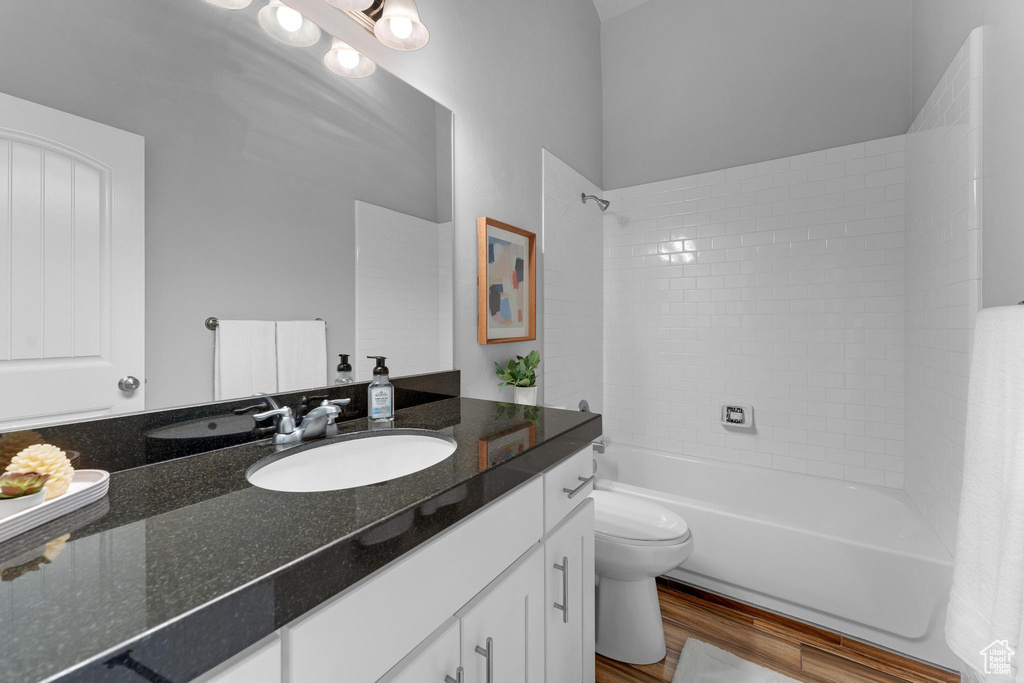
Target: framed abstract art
506,283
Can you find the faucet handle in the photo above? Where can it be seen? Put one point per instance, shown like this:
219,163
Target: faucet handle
249,409
285,419
335,408
338,402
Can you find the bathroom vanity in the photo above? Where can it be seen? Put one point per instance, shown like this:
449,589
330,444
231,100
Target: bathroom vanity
506,595
191,572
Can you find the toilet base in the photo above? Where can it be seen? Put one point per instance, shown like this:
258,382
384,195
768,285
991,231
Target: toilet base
629,627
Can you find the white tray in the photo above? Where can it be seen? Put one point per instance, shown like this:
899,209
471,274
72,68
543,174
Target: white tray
87,486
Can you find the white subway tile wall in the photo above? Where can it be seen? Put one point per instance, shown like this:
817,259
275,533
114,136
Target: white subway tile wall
943,283
401,309
778,285
572,362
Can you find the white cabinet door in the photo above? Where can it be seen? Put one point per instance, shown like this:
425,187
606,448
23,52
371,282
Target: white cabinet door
503,627
72,266
367,630
569,598
259,663
434,659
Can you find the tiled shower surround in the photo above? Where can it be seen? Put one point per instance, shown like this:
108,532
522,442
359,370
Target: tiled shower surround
779,285
943,283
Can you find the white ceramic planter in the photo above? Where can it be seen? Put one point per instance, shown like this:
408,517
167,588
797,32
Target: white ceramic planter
525,396
12,506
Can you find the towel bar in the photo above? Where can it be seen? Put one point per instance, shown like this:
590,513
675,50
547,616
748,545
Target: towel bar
212,322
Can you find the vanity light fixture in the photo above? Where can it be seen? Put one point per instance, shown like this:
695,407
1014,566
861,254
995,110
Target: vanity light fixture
230,4
346,61
351,5
286,25
399,26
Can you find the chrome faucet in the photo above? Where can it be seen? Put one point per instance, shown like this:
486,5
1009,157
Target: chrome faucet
318,423
322,420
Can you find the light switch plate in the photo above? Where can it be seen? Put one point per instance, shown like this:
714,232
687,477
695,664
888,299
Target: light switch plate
734,415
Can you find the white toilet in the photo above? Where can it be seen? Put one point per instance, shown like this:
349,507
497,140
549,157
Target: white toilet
634,541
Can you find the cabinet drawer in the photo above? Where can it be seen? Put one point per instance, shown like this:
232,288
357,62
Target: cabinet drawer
566,485
361,634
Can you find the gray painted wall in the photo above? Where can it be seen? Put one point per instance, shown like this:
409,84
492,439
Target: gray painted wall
254,156
1002,233
941,27
699,85
519,76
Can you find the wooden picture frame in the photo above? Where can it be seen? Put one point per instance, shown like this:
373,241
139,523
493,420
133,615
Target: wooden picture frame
502,318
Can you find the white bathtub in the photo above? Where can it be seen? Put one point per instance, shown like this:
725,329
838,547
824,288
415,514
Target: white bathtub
855,558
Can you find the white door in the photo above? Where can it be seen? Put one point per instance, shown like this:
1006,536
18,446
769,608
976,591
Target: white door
503,627
435,658
569,603
72,266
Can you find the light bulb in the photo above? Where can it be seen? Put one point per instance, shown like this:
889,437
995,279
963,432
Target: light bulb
289,19
401,27
349,59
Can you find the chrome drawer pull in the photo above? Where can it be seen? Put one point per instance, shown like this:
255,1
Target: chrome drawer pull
489,654
564,568
459,675
575,492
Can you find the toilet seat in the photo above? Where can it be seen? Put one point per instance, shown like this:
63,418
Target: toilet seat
627,519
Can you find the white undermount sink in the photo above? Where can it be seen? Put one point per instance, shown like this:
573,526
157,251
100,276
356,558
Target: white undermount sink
362,459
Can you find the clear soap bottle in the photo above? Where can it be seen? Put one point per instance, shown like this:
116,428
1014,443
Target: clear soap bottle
344,372
380,394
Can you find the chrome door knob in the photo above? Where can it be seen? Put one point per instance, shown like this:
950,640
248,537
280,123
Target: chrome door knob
128,384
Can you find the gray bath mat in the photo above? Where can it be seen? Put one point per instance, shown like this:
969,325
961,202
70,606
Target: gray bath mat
703,663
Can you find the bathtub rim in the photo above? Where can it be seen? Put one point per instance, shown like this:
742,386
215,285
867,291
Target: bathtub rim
936,552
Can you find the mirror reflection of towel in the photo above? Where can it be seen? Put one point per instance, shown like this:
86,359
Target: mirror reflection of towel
245,359
301,354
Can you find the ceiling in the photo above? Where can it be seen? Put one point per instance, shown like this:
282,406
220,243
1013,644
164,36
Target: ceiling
607,9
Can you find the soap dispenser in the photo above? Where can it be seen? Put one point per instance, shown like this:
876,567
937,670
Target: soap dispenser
380,394
344,373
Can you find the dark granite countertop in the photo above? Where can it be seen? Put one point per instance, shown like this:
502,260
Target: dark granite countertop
185,563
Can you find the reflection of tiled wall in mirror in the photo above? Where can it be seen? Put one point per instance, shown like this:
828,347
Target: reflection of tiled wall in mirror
403,291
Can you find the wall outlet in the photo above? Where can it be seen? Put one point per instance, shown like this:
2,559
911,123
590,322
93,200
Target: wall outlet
737,416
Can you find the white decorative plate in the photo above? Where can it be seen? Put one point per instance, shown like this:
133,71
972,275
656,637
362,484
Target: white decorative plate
87,486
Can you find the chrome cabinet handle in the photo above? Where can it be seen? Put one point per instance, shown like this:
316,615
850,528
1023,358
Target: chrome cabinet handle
575,492
459,675
488,653
564,568
128,384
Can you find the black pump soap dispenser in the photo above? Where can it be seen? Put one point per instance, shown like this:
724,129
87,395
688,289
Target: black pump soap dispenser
344,373
380,394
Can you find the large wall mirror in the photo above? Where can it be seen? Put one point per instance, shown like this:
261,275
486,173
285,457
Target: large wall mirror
166,162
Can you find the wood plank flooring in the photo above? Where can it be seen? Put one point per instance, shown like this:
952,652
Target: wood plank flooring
794,648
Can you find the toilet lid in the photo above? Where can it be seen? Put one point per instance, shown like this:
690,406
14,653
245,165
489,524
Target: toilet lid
635,519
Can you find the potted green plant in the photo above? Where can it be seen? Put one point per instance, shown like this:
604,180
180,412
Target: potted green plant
520,373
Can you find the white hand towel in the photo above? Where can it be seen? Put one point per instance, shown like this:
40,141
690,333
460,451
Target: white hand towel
245,359
986,603
301,354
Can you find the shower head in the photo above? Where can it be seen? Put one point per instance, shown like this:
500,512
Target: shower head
603,203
